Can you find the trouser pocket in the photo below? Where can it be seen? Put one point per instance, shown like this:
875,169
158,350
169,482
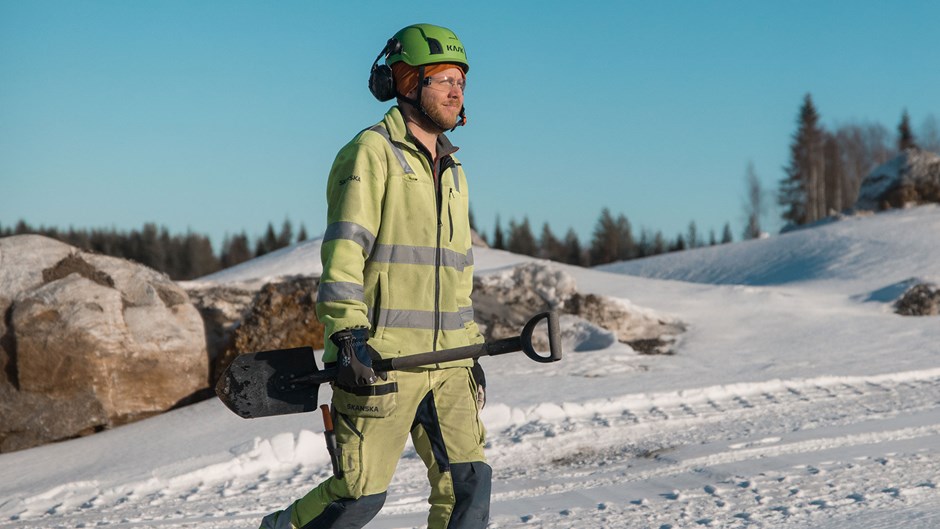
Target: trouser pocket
379,400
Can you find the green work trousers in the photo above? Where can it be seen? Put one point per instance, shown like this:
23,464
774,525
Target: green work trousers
437,408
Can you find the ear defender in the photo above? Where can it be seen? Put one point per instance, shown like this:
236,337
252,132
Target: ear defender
381,80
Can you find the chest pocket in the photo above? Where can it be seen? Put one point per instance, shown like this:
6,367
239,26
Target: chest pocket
457,207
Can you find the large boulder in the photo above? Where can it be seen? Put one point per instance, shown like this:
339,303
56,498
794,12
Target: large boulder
912,177
279,315
504,301
90,342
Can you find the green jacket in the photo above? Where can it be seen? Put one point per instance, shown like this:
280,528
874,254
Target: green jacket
396,253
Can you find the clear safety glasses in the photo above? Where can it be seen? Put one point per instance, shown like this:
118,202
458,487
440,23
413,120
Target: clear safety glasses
446,83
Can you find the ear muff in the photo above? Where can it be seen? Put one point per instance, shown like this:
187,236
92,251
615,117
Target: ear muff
381,80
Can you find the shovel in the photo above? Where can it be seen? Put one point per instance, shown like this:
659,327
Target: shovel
285,381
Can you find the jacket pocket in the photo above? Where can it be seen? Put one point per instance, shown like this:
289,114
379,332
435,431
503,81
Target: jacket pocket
378,317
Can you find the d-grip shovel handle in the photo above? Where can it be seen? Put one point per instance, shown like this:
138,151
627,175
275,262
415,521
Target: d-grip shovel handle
523,343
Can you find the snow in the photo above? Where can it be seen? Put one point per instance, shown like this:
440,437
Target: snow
796,398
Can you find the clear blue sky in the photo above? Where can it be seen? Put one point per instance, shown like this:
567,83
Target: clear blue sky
221,116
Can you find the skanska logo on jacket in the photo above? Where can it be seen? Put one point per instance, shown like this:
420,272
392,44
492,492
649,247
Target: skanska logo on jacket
350,178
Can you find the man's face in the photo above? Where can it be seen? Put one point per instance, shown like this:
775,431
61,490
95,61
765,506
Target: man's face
442,98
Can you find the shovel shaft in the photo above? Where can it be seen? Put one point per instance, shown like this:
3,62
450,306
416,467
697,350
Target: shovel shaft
523,342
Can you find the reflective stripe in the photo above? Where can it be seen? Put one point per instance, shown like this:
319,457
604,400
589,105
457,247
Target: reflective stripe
420,255
350,231
466,314
417,319
340,291
456,178
395,149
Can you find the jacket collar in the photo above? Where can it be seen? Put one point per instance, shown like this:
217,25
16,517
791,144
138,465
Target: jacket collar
397,130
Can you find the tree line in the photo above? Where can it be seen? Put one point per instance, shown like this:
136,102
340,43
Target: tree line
181,257
826,168
612,240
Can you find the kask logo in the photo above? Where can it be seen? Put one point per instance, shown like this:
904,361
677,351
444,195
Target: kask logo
453,48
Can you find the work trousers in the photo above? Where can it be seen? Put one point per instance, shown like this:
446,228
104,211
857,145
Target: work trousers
437,408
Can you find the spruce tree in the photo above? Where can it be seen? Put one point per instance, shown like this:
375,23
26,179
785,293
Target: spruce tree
905,135
613,239
726,235
549,245
521,240
498,239
574,254
801,190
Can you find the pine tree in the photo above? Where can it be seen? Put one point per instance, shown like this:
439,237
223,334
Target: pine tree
521,240
801,193
905,135
549,245
613,239
286,236
302,235
574,254
498,240
726,236
235,250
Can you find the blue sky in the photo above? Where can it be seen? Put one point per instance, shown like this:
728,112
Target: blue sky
221,116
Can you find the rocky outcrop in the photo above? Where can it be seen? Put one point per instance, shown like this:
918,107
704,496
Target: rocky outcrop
90,342
504,301
280,315
912,177
920,300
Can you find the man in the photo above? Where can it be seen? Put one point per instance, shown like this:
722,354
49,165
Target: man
397,276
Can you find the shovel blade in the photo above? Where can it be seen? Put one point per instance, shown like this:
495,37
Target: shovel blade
259,384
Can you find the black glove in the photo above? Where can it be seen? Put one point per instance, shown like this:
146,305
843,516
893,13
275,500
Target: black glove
354,358
480,379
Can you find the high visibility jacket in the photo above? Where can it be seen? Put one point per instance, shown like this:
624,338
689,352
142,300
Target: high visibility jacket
396,254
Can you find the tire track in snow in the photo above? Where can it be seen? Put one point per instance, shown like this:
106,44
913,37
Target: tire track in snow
701,438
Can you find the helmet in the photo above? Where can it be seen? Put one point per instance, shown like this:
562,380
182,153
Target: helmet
418,45
423,44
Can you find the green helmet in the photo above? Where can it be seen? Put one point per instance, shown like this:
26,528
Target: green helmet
423,44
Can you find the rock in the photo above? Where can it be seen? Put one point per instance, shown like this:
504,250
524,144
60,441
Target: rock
91,341
504,301
281,315
912,177
223,307
920,300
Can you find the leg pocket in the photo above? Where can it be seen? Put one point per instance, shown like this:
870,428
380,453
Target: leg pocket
378,400
349,444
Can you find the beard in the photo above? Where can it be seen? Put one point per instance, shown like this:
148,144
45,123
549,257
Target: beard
442,117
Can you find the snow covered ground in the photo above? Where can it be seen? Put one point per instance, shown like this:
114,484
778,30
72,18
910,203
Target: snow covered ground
796,399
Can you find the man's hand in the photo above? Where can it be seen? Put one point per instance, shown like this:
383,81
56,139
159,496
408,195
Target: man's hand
354,358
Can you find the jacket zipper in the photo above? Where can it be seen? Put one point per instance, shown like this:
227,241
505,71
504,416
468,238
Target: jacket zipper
437,257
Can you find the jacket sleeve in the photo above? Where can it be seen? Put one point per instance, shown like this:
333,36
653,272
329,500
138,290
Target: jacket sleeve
355,194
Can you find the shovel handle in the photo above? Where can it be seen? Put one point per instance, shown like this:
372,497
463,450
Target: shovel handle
523,343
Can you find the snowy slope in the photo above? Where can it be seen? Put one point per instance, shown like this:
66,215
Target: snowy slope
797,399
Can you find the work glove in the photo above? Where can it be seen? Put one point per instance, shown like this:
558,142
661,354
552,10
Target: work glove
480,379
354,358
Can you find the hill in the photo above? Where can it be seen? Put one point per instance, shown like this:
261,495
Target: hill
796,399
